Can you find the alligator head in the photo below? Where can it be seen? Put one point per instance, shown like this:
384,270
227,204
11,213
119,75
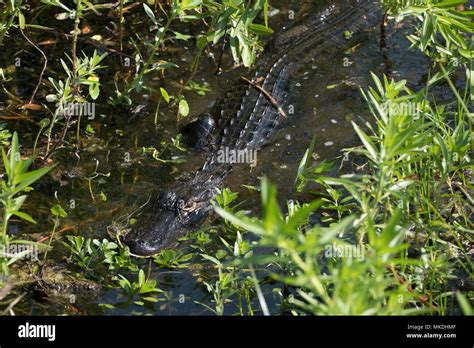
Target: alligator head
172,213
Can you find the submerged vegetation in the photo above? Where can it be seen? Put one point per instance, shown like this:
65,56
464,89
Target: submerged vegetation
396,238
385,229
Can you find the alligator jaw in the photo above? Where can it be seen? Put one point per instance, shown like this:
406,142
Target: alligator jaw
165,219
145,240
139,248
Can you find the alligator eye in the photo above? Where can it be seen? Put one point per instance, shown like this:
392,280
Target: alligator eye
186,207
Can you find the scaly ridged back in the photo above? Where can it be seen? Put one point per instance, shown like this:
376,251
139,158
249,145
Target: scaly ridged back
245,117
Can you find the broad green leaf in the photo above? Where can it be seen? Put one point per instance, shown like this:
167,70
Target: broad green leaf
58,211
183,107
94,90
18,202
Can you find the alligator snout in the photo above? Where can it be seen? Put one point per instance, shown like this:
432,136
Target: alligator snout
141,247
151,235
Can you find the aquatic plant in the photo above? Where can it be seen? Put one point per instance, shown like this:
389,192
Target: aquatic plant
404,197
12,196
390,236
443,32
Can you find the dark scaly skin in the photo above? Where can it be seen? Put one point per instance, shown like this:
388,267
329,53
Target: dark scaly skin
243,119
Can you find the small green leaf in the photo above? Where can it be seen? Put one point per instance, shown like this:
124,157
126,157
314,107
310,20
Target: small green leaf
183,108
265,12
6,163
260,29
369,145
29,178
141,278
21,20
24,216
44,122
94,90
165,94
150,13
58,211
427,31
103,196
464,304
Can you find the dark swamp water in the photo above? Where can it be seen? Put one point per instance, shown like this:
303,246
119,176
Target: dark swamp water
327,98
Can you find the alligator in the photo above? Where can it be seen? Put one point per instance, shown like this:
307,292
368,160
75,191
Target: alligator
244,119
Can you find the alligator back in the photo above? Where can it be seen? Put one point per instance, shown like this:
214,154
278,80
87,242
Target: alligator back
248,115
